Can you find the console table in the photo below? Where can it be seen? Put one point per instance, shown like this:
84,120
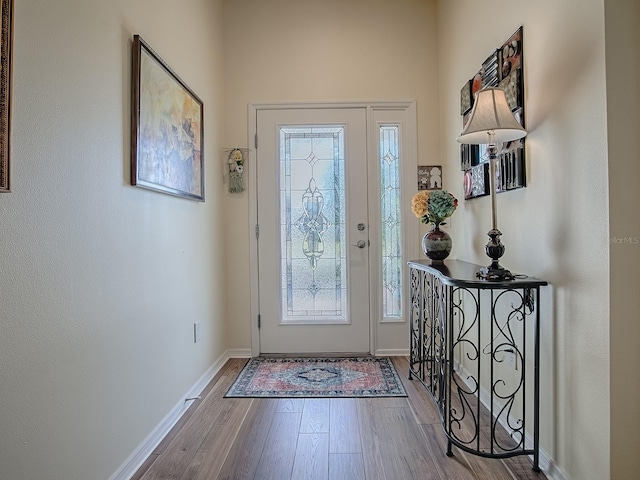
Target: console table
474,345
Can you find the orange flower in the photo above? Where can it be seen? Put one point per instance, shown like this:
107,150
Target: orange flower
419,203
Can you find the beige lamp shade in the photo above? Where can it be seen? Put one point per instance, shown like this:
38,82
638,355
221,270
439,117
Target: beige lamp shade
491,115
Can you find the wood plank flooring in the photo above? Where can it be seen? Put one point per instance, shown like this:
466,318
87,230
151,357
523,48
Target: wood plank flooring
323,439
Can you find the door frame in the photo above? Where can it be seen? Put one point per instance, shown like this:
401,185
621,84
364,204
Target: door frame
411,228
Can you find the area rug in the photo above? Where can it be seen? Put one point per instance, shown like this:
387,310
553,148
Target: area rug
270,377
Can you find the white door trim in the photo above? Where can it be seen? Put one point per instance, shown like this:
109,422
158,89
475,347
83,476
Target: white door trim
252,184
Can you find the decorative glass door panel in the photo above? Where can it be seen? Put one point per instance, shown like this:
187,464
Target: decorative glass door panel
312,221
391,221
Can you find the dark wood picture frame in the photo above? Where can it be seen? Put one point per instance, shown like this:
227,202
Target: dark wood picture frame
6,48
167,138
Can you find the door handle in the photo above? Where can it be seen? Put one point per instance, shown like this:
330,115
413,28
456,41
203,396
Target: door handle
360,244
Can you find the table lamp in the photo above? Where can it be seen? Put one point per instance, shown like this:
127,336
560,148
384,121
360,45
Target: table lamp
492,122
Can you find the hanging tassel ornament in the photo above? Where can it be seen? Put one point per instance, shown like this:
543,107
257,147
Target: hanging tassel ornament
235,162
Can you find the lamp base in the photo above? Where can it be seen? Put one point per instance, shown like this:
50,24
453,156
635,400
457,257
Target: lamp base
494,250
495,273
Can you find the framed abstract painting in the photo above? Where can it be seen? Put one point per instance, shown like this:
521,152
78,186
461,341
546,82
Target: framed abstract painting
167,149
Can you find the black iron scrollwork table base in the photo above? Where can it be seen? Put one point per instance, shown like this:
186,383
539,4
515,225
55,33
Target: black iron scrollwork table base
475,346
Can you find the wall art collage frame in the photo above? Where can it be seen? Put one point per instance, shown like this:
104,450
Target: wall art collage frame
503,69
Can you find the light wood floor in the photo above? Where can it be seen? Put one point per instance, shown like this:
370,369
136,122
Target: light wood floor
306,439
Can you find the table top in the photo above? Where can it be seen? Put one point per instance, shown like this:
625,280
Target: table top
463,274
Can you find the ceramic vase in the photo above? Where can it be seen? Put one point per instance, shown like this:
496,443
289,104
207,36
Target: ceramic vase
436,244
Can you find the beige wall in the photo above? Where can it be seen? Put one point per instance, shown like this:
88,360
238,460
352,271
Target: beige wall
100,281
556,228
623,110
334,50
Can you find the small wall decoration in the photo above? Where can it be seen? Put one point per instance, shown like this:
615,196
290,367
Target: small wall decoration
509,171
504,69
6,47
466,99
490,71
430,177
235,162
476,181
167,147
469,156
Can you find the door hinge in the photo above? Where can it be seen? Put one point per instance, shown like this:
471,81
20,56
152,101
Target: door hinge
257,231
255,141
259,321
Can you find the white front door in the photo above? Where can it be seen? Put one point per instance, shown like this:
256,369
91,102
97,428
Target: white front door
313,243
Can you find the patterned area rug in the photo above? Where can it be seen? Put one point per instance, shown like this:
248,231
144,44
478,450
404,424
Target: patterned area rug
267,377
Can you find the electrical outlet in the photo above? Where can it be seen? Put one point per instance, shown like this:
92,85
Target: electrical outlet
196,332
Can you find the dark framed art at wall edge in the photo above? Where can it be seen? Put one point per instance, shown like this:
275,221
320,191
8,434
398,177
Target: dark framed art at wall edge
6,48
503,68
167,138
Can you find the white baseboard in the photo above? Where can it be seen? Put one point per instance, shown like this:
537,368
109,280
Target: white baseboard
550,469
239,353
146,448
392,352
